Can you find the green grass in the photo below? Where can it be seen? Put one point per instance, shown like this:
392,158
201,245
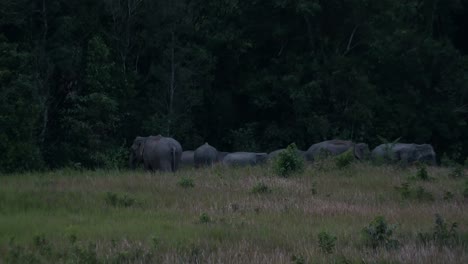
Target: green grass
242,228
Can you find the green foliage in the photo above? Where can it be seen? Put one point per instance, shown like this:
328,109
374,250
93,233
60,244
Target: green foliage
344,160
298,259
116,200
419,193
457,172
448,196
261,188
204,218
422,173
186,182
442,234
288,162
326,242
380,234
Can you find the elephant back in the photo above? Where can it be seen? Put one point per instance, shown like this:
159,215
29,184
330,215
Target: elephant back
205,155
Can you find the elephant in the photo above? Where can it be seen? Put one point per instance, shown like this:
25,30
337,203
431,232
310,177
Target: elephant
136,152
336,147
156,152
205,155
275,153
406,153
187,158
221,155
245,158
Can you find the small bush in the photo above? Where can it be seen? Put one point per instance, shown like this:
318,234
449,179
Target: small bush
288,162
116,200
422,195
326,242
457,172
204,218
404,190
344,160
261,188
298,259
380,234
314,188
186,182
448,196
422,173
441,234
419,193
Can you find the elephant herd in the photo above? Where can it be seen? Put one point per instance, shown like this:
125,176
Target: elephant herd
166,154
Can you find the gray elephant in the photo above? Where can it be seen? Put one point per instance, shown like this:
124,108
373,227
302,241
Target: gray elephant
136,152
245,159
221,155
187,158
205,155
406,153
275,153
157,153
337,147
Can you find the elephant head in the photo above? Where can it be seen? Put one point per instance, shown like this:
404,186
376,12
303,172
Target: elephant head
425,153
136,151
361,151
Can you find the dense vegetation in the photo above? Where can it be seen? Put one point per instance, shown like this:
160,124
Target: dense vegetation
324,214
80,79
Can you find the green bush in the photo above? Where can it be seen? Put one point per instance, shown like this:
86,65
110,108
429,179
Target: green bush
261,188
442,234
186,182
419,193
289,162
380,234
326,242
298,259
116,200
344,160
422,173
457,172
204,218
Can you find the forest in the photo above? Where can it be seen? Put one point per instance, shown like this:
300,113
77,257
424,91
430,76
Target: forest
79,80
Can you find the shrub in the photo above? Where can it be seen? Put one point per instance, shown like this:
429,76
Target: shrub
457,172
448,196
419,193
204,218
298,259
344,160
261,188
422,195
404,190
422,173
326,242
186,182
380,233
117,200
314,188
289,162
441,233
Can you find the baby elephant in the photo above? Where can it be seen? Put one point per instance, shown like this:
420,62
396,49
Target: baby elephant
205,155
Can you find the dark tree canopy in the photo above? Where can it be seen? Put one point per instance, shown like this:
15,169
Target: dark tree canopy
80,79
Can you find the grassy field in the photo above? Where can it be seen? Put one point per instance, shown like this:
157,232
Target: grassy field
241,215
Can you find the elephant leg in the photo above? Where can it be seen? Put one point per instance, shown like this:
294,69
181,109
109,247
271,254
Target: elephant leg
165,166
